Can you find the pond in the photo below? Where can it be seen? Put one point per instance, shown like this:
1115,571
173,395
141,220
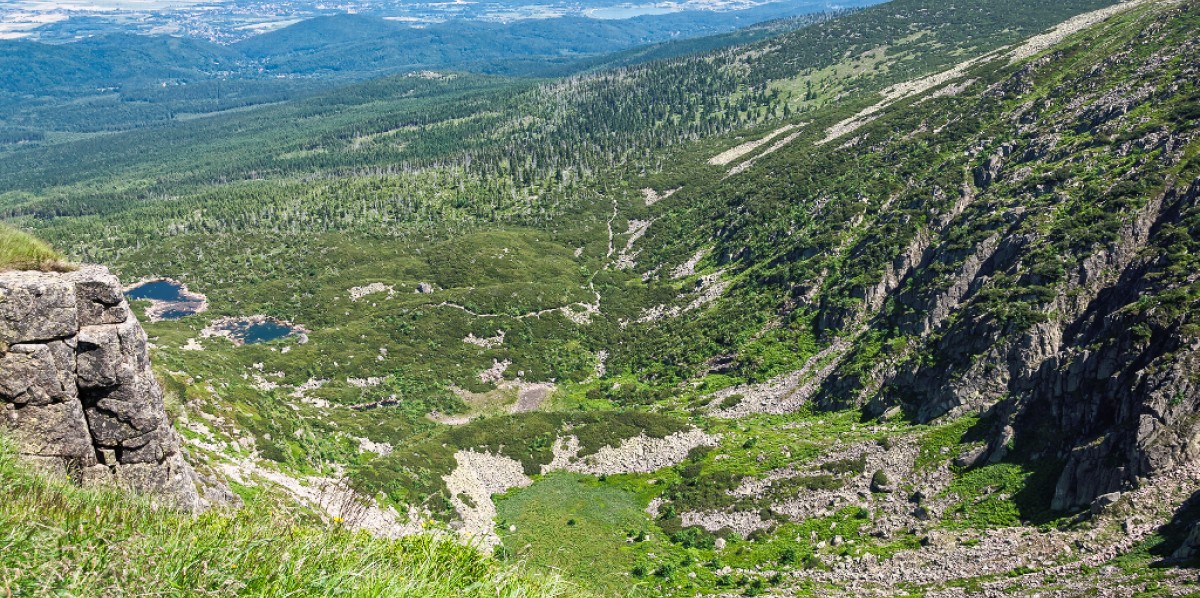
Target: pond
169,299
255,329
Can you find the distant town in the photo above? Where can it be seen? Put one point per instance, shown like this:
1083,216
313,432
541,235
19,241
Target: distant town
233,20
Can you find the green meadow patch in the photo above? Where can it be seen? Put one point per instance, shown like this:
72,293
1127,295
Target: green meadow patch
577,525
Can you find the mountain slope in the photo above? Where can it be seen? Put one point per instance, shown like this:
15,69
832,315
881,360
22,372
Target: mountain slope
997,249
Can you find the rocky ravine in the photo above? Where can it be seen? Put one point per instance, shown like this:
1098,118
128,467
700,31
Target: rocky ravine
77,391
1078,343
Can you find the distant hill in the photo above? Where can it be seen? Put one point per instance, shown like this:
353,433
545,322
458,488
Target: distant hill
357,45
108,61
123,81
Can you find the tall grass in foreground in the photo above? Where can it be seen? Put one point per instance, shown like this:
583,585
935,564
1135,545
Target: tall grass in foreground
22,251
58,539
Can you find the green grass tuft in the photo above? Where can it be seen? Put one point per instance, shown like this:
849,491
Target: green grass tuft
22,251
58,539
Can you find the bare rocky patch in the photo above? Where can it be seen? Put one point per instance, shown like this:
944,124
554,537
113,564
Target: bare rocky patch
783,394
730,155
688,268
652,196
490,342
471,486
626,259
639,454
495,373
357,293
530,395
744,166
709,288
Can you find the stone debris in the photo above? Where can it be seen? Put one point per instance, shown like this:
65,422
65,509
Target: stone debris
471,486
744,166
892,514
626,259
1121,521
1040,43
366,445
688,268
566,451
583,315
740,522
1029,48
262,384
784,393
730,155
708,289
357,293
652,196
601,363
490,342
301,392
952,90
495,373
368,382
639,454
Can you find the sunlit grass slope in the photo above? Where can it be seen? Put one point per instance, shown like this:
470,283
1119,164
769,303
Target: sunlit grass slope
21,251
58,539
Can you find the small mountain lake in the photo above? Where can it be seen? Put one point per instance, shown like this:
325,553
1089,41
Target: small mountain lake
261,332
255,329
170,300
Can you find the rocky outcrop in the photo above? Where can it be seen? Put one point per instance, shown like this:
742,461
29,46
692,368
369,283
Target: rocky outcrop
1078,342
77,391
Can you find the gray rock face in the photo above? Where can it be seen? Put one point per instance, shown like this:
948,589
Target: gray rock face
1113,406
1190,548
77,391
